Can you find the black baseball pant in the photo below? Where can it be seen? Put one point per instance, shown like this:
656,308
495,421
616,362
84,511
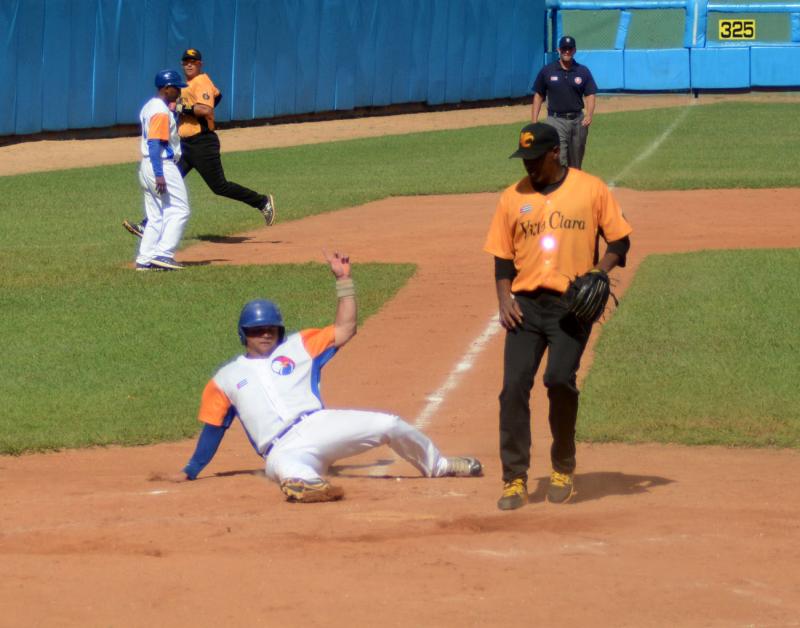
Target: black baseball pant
201,152
544,326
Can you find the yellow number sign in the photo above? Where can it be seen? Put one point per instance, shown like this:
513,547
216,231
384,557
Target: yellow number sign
737,29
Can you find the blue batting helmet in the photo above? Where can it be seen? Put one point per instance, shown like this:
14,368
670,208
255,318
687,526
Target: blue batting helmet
260,313
167,78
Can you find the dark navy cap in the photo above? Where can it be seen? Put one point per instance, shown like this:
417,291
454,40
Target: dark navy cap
566,42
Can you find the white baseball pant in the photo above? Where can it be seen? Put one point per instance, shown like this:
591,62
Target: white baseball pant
325,436
167,213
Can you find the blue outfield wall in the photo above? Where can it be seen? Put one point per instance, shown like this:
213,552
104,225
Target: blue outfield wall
682,69
72,64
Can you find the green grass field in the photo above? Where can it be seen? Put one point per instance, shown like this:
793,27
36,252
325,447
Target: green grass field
712,362
88,342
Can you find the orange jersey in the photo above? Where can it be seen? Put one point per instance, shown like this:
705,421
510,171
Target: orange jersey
552,237
199,90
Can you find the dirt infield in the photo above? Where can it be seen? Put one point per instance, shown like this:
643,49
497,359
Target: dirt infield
657,535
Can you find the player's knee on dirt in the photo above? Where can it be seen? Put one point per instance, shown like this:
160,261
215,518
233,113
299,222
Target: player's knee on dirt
282,465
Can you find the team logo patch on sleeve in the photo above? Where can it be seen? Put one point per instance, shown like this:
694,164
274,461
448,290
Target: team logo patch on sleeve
578,80
283,365
241,384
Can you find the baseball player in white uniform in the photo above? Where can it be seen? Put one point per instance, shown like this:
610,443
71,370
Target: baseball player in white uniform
166,201
274,390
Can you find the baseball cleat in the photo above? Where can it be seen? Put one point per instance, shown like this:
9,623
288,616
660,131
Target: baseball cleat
166,262
145,267
268,211
561,488
134,228
463,467
515,495
309,491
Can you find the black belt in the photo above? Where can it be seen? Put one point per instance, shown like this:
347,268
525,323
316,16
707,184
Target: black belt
570,115
283,433
534,294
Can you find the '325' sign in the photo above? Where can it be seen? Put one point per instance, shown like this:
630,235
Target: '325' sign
737,29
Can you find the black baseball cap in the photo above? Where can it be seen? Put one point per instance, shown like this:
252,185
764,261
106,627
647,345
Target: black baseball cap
191,53
566,43
535,140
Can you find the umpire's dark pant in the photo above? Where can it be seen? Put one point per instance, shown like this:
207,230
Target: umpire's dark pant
202,153
543,327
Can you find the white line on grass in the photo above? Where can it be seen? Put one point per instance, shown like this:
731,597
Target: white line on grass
652,148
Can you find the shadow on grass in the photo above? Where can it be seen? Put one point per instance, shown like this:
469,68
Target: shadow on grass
589,486
205,262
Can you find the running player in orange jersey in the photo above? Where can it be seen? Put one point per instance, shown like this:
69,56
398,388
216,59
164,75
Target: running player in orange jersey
545,232
200,143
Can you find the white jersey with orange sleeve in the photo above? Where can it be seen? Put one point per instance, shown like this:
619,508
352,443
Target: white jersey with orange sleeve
269,393
277,399
552,237
158,123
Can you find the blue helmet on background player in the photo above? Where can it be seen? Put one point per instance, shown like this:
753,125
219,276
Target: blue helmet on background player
260,313
167,78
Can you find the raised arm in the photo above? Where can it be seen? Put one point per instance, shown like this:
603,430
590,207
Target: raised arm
346,310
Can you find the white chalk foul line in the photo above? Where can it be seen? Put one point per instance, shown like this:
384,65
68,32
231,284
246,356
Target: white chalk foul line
454,378
652,148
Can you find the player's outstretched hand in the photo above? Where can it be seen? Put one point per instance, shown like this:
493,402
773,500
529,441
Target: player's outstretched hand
168,477
339,263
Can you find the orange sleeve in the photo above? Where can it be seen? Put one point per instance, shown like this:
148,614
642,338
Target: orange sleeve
610,217
317,340
202,90
159,127
499,240
214,405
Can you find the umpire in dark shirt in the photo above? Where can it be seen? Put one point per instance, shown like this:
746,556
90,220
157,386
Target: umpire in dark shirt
564,84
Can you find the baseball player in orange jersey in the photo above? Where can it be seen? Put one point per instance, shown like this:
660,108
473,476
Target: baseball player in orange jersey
545,232
274,389
165,199
200,143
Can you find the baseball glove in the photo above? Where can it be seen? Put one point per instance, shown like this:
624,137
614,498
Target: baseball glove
587,295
